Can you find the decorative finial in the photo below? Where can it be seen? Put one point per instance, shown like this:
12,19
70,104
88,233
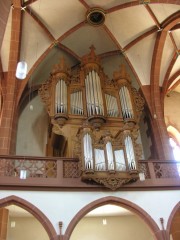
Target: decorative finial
121,74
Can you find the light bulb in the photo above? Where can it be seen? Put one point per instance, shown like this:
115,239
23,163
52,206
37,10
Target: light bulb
21,70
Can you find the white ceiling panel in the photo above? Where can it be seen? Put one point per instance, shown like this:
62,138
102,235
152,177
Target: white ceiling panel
5,49
34,41
127,24
163,11
59,16
176,36
176,66
167,56
82,39
140,55
106,4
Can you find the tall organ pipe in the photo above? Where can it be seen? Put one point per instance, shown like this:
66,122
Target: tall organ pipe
61,97
109,152
93,94
88,156
126,104
130,153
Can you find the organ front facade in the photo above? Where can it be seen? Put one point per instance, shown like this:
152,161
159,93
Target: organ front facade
95,119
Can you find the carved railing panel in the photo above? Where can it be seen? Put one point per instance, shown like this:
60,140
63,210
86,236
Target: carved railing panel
71,169
166,170
34,168
66,172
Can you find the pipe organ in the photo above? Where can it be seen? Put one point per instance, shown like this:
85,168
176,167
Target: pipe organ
103,114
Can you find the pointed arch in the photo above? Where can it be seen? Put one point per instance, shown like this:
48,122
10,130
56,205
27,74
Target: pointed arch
119,202
33,210
171,217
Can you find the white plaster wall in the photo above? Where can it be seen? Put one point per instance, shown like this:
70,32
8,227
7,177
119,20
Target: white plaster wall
121,227
32,129
63,206
26,228
172,109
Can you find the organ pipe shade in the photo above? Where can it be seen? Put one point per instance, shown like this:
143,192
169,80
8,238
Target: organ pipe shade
61,97
120,160
94,94
110,158
111,104
126,104
77,103
21,70
100,164
130,153
88,154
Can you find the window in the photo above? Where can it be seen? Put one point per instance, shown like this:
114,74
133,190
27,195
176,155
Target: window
176,152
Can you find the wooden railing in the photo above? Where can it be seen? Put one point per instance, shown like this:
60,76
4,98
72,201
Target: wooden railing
60,173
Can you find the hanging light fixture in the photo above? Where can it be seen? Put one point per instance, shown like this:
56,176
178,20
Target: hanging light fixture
21,70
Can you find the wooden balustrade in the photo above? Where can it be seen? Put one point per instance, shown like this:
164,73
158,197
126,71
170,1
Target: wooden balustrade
60,173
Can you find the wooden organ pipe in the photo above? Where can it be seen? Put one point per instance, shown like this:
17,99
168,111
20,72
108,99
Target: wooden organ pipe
126,105
77,103
93,94
130,153
88,155
111,104
110,158
61,97
99,160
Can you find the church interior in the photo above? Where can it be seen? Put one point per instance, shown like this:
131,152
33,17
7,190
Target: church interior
90,119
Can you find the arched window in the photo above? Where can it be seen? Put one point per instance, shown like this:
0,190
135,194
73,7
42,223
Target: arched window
176,152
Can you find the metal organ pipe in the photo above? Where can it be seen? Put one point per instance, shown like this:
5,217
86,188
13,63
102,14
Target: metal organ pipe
88,156
61,97
109,152
130,153
126,105
112,107
76,103
99,159
93,94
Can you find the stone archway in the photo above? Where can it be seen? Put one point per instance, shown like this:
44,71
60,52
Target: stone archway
157,233
34,211
174,222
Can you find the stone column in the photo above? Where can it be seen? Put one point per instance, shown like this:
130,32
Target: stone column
3,223
9,88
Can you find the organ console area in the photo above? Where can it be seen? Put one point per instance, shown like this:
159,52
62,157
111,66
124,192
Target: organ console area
95,119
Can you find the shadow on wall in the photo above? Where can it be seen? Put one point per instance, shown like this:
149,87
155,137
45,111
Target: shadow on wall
39,129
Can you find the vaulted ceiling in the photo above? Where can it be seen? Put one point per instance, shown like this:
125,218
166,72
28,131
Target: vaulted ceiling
145,33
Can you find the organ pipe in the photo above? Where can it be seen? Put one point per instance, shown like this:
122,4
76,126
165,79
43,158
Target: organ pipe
111,104
120,160
110,159
93,94
88,155
126,104
130,153
61,97
76,103
99,160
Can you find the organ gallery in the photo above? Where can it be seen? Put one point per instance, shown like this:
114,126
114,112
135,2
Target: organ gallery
95,119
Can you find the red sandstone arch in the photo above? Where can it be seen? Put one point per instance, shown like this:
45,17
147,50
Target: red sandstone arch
33,210
171,217
119,202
